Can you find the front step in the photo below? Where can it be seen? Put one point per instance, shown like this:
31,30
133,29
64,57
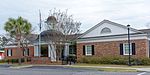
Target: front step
44,60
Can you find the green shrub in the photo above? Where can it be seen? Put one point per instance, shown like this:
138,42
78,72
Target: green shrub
114,60
14,60
2,61
72,56
145,61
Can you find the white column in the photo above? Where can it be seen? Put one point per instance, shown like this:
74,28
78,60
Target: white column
66,50
49,51
36,50
52,52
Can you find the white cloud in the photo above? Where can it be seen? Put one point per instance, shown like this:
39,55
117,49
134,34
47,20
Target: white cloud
89,12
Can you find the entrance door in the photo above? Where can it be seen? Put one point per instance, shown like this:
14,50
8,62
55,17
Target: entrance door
44,50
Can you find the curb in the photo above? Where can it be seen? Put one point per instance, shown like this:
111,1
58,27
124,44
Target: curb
19,67
143,69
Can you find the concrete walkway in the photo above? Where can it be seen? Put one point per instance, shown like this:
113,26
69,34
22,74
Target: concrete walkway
145,69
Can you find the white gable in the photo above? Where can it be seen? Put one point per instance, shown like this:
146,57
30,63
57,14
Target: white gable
115,30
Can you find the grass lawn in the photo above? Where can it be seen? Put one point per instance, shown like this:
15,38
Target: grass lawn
116,70
112,65
109,67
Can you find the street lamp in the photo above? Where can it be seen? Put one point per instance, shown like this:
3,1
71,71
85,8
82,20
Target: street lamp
129,63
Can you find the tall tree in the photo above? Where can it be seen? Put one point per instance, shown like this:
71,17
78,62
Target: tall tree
63,23
18,28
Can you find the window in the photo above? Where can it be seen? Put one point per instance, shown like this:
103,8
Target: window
124,49
105,30
72,49
88,50
44,50
9,52
26,52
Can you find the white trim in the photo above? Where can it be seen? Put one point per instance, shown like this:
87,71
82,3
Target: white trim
14,46
109,22
112,39
2,51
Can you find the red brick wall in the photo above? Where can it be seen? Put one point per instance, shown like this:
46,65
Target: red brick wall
18,54
112,48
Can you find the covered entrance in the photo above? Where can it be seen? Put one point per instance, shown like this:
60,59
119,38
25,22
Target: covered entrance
44,50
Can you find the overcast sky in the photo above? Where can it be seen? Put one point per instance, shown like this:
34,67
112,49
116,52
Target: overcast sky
88,12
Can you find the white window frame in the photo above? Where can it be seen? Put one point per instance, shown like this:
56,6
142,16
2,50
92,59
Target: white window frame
86,49
124,53
9,52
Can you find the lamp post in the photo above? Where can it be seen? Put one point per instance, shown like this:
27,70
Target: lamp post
129,62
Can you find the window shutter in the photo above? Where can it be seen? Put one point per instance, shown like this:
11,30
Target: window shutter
7,52
23,51
133,49
93,50
11,52
28,51
121,49
84,50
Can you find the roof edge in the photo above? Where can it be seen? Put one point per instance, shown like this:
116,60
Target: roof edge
110,22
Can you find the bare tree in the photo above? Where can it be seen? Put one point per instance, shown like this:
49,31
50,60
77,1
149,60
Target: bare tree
3,41
62,23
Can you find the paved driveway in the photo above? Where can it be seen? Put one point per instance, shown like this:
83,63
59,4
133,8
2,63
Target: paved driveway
5,65
59,70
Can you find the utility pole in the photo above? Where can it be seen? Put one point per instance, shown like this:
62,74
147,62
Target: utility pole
39,50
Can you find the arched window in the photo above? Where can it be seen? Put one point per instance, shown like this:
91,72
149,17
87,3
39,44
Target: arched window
105,30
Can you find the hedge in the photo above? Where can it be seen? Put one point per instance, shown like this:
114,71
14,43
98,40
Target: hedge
114,60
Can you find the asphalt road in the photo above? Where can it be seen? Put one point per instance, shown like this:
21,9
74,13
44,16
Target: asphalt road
58,70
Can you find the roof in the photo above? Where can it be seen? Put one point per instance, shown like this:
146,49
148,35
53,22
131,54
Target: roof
73,37
111,36
145,30
110,22
49,35
32,37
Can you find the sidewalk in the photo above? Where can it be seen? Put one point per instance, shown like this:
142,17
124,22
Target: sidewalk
145,69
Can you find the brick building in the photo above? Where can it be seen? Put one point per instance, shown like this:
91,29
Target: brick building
12,52
47,52
108,38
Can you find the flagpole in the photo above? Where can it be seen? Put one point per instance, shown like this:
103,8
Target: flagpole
39,51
